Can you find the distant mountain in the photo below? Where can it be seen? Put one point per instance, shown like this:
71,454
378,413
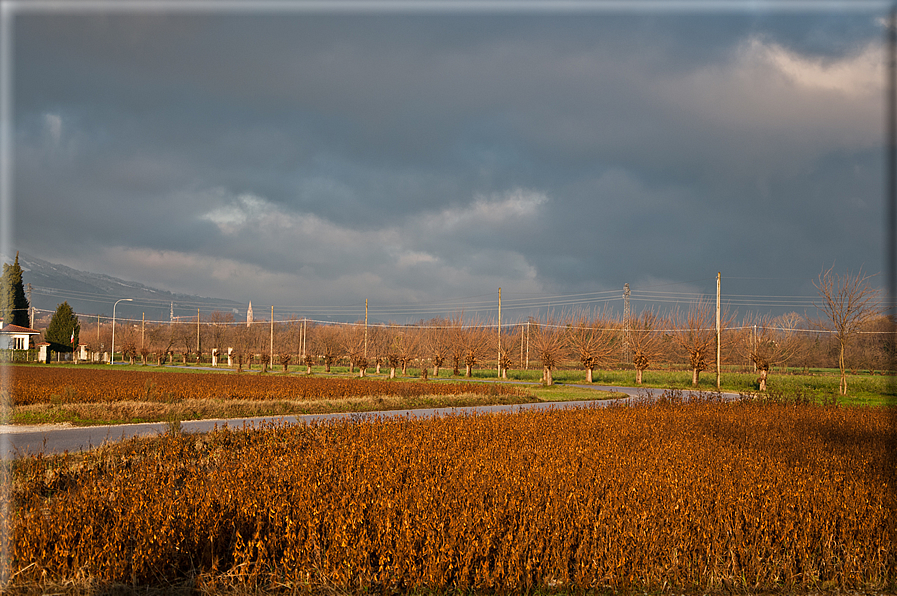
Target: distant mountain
94,293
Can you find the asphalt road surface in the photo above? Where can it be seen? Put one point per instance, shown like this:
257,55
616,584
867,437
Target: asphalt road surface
22,440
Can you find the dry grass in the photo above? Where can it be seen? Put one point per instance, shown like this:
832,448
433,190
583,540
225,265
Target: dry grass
201,409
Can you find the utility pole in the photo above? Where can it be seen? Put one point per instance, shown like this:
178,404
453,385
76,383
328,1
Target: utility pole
718,345
627,314
365,328
142,329
197,336
30,308
271,355
499,333
527,345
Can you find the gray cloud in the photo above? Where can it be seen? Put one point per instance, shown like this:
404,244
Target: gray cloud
304,157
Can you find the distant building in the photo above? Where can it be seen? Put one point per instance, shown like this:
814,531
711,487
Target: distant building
249,314
13,337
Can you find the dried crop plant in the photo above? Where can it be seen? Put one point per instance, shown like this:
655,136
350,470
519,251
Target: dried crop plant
698,496
847,302
646,341
593,339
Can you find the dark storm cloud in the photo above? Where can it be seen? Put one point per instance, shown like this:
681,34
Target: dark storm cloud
419,156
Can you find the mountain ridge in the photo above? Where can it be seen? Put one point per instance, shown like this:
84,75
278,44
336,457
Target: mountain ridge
94,294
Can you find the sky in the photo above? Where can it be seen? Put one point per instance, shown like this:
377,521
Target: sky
311,158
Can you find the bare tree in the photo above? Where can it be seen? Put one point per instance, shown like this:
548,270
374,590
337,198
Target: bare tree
405,344
847,303
352,338
377,344
770,342
548,338
646,341
326,342
476,341
696,335
509,350
436,343
593,339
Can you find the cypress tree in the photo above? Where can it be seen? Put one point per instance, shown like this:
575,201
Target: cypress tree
63,324
13,303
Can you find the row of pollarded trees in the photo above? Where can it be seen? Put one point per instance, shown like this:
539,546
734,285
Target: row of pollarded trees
580,340
849,332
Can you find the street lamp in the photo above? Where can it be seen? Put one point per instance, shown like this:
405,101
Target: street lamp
112,354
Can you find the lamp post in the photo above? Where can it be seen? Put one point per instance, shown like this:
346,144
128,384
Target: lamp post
112,354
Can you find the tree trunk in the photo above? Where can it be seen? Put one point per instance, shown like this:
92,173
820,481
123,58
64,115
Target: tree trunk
504,374
467,370
392,372
843,385
588,375
638,376
361,372
546,376
695,373
308,369
435,370
404,368
326,367
763,374
378,368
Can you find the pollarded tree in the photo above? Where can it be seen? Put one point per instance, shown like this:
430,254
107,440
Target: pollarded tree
436,343
695,334
352,338
509,348
847,303
646,341
476,343
405,344
327,344
549,340
13,303
593,340
62,333
770,342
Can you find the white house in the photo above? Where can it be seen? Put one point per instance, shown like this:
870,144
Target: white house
13,337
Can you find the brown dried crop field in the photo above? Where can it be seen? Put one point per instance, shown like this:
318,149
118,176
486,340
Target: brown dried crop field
60,385
700,496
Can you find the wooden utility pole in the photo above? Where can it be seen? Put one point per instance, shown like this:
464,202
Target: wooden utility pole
30,308
197,336
142,330
365,328
718,345
271,354
499,333
527,345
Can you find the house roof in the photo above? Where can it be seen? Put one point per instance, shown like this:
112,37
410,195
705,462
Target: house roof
16,330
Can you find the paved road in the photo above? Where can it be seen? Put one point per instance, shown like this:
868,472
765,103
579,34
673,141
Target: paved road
15,441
